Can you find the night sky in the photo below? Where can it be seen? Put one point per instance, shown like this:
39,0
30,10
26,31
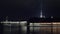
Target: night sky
29,8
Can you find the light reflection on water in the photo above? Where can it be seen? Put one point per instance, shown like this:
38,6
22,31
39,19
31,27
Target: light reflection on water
40,28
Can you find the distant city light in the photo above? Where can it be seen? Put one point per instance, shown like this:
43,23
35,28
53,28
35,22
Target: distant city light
51,16
14,22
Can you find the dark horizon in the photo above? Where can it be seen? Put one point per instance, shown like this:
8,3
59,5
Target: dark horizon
31,8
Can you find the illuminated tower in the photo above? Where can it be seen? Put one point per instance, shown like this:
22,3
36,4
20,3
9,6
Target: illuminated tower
41,15
41,12
6,18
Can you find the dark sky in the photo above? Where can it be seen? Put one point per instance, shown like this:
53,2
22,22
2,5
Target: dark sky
29,8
